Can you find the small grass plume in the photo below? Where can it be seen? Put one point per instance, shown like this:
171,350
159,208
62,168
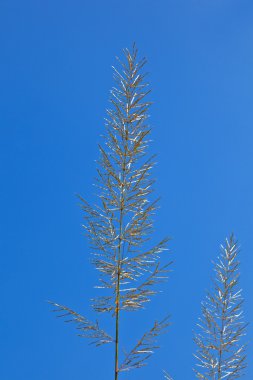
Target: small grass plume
220,351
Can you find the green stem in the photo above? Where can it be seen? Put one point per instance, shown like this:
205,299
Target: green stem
119,258
221,332
117,334
117,300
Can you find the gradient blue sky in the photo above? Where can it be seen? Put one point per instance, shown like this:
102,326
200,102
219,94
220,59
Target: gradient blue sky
55,70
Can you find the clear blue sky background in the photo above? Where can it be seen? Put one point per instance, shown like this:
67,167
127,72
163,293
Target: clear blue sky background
55,71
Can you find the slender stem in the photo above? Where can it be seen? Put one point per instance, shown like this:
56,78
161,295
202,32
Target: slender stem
221,331
117,332
119,258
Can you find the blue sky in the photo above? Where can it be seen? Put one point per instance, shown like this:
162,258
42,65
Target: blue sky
55,72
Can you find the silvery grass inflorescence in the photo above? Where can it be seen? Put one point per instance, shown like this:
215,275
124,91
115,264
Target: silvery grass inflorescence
120,225
220,353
